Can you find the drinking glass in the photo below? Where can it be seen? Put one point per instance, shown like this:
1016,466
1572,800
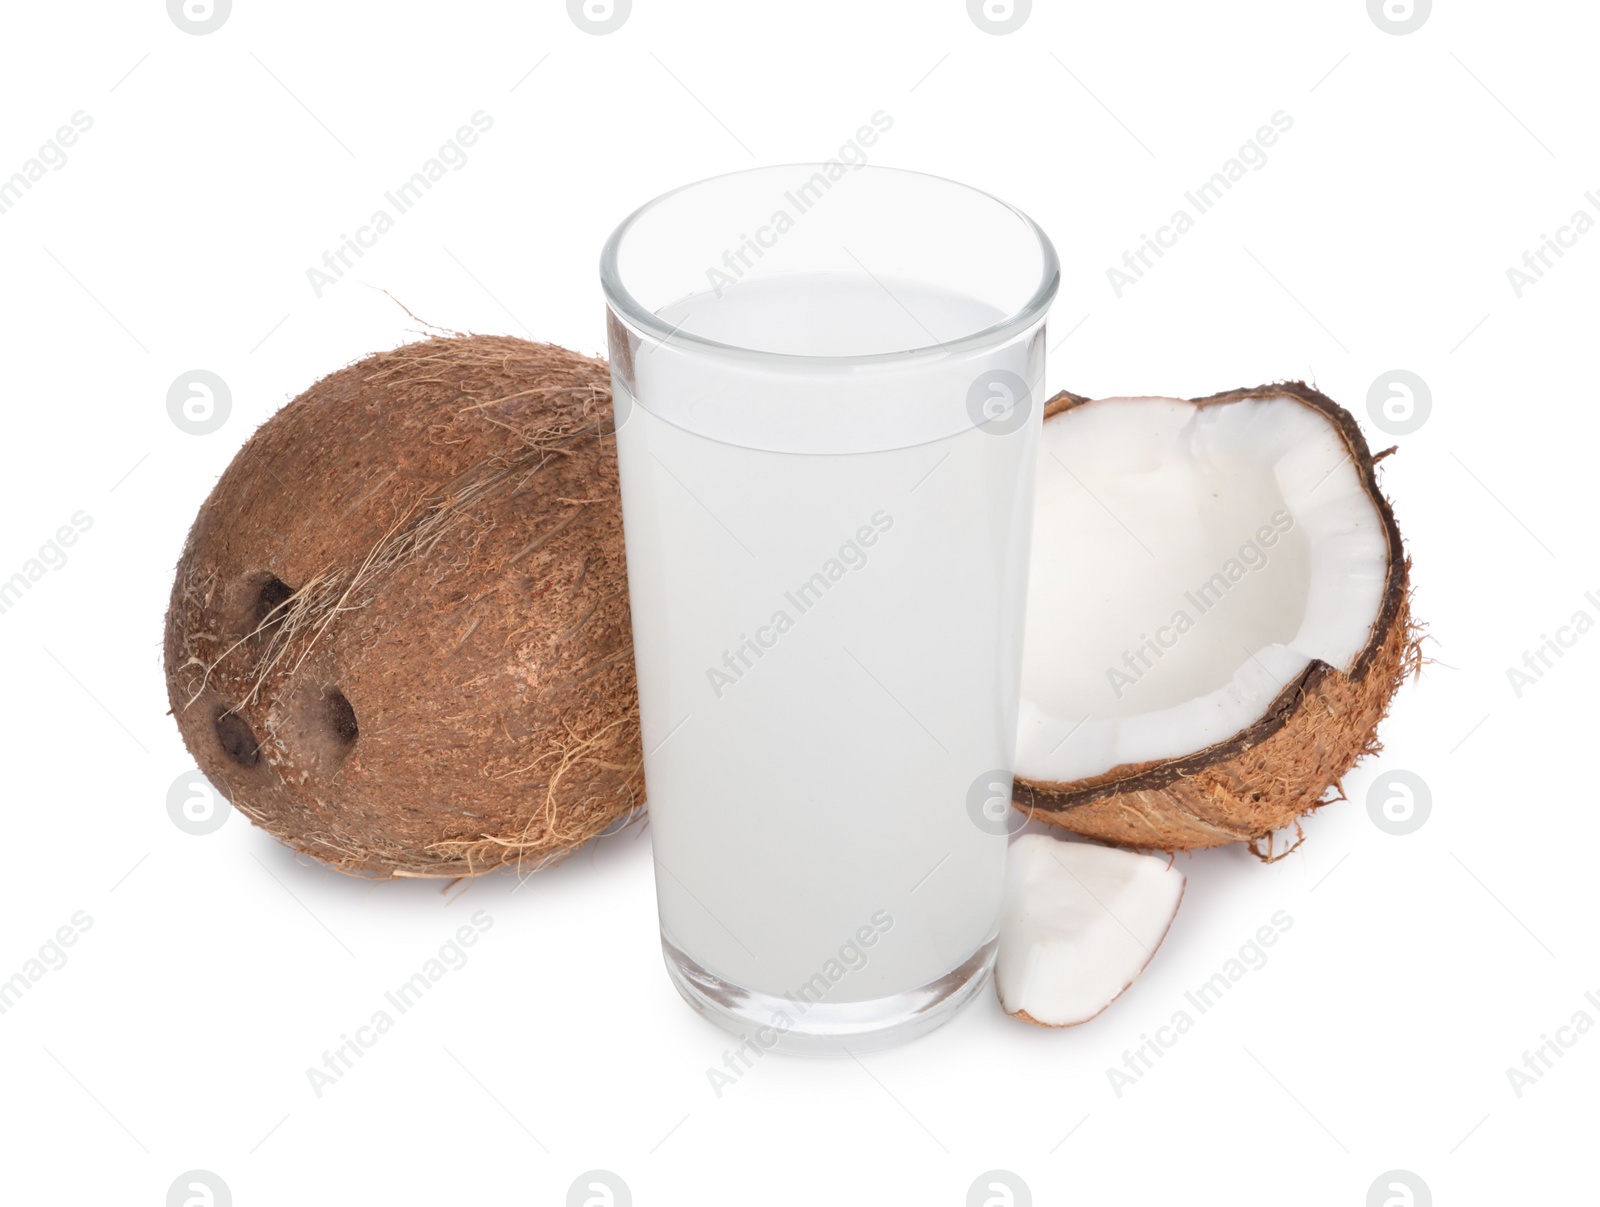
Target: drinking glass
828,385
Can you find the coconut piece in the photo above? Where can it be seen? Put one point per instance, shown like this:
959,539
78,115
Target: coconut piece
1078,925
1217,616
399,637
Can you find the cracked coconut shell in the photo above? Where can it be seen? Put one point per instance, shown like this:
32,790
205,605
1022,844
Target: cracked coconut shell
1248,783
398,638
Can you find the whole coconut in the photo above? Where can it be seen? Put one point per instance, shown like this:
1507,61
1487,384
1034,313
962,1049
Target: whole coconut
399,637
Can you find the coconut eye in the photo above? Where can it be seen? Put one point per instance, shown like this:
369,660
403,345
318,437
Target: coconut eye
342,717
237,740
270,598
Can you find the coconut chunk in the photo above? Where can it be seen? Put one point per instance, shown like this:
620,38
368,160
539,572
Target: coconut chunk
1078,925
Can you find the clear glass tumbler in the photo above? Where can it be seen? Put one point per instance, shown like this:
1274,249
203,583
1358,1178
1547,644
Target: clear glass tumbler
828,384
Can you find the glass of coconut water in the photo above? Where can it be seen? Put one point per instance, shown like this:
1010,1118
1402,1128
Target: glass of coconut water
828,382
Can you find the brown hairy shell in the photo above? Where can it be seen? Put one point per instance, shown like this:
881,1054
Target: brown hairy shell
398,638
1268,775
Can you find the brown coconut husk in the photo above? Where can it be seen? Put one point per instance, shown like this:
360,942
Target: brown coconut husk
399,637
1270,774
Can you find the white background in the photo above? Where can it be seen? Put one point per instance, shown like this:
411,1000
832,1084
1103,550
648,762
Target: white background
217,969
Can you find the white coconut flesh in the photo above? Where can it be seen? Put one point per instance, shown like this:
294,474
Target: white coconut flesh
1078,925
1188,563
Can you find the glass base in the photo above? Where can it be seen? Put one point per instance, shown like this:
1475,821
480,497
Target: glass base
773,1023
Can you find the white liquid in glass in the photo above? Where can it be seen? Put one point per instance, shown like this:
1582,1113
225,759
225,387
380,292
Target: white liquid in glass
819,635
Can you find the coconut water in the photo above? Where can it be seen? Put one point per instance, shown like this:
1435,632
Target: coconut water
826,639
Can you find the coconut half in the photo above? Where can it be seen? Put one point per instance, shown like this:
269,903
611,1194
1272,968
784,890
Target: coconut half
1217,615
1077,926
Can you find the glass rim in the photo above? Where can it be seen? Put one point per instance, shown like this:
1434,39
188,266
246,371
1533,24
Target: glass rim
631,310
